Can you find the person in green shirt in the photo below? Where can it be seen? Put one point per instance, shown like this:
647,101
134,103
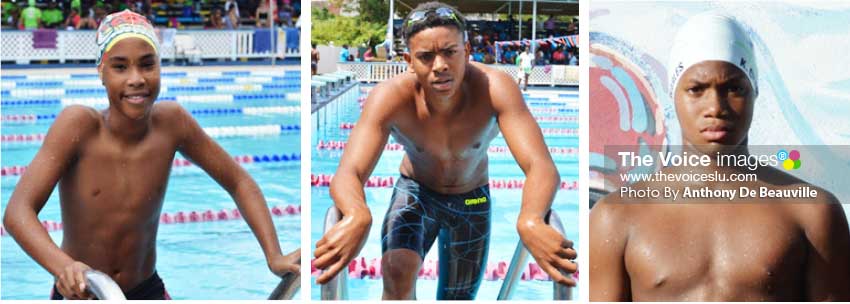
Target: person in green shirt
52,16
30,17
10,13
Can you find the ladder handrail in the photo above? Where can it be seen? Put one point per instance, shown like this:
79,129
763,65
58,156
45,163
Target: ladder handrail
289,285
518,262
337,288
102,286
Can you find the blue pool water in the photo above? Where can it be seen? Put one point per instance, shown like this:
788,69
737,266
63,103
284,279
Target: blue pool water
562,102
207,260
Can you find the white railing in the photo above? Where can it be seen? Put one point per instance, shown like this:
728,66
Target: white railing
540,75
80,45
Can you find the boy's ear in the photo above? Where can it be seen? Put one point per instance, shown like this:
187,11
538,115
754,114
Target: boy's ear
406,56
100,73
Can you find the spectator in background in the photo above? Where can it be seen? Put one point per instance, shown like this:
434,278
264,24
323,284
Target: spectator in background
549,25
100,12
86,22
369,55
540,58
344,53
52,16
525,62
73,20
573,57
30,17
285,14
216,20
231,4
488,48
573,27
478,56
263,13
558,56
231,21
314,59
489,58
10,13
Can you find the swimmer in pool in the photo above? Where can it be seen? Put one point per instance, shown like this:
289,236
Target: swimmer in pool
702,250
445,112
112,167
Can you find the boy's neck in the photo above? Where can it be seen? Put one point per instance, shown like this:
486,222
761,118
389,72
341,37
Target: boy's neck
126,129
741,149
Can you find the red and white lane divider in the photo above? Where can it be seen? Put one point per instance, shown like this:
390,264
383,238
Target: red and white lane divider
179,162
20,118
556,118
551,110
362,269
217,132
324,180
181,217
340,145
546,131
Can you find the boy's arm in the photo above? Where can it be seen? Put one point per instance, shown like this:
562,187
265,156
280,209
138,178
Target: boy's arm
828,262
609,280
522,134
33,189
365,144
198,147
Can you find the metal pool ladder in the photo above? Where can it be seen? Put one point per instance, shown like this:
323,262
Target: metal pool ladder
289,284
337,288
560,292
102,286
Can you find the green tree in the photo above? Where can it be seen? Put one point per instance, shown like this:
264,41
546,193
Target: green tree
341,30
374,10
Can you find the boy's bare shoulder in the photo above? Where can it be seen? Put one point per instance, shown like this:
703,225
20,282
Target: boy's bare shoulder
168,110
817,208
390,96
77,120
611,211
394,91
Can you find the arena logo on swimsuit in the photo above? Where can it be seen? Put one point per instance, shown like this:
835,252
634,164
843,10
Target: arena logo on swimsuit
790,160
475,201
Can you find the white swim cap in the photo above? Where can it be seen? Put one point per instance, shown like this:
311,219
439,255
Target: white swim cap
707,37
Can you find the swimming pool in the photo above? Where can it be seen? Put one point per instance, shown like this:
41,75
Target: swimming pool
556,111
252,112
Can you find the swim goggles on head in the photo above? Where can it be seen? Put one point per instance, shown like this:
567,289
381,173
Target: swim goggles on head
441,12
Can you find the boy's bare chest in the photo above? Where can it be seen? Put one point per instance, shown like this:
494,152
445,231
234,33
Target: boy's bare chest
705,251
137,173
452,138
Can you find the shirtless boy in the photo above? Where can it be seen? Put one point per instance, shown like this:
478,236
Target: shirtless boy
112,168
763,249
445,112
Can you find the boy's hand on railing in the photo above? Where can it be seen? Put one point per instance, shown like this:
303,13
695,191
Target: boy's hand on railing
283,264
71,282
341,244
553,252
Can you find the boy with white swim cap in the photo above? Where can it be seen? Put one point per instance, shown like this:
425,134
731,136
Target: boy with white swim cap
703,249
112,167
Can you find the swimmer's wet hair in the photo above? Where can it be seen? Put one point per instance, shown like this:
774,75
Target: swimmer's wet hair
432,20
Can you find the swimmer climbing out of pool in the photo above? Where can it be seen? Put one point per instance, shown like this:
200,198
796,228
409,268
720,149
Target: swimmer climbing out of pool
112,167
765,249
445,112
